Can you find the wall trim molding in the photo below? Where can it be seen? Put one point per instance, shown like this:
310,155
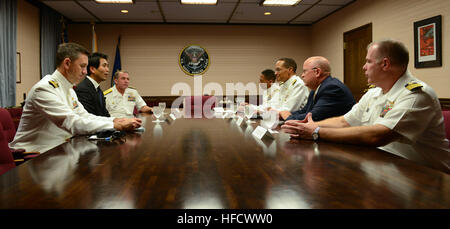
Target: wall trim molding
445,103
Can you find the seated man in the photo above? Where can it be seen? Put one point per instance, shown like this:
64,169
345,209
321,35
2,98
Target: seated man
271,94
122,99
270,97
88,91
329,97
401,115
52,112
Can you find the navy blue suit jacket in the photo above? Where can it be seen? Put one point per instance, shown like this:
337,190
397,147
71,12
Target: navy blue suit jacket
332,99
88,96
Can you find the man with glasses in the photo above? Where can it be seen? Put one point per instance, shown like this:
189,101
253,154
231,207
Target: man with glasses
329,97
401,115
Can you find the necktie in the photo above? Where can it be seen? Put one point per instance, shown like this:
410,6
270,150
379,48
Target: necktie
100,93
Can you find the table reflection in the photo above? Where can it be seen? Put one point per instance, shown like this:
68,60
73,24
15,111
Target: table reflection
200,188
56,171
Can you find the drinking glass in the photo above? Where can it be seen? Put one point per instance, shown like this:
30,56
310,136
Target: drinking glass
162,106
157,112
249,110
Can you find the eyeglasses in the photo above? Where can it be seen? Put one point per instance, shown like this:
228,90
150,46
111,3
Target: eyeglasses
305,70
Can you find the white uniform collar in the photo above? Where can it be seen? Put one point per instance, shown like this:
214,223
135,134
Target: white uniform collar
62,80
93,82
397,87
289,81
117,91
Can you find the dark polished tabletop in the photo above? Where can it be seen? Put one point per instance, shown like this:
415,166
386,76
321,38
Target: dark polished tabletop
216,164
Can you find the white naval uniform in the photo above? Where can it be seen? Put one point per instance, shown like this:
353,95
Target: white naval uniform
52,114
414,113
119,105
270,98
293,94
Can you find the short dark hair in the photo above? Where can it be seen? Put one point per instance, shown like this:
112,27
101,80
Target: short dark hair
269,74
289,63
394,50
69,50
94,60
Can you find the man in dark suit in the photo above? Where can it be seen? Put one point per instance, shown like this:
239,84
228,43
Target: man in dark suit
328,97
88,91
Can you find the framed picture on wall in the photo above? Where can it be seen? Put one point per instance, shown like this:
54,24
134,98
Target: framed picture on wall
427,43
18,68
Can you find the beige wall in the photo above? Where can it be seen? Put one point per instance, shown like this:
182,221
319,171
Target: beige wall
28,45
238,53
390,19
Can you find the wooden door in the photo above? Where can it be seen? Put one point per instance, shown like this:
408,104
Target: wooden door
355,50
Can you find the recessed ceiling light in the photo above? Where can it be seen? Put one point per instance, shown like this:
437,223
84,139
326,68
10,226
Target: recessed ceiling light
199,2
280,2
267,13
124,11
114,1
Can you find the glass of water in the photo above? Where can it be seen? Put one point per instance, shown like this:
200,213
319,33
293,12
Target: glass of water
162,106
249,110
157,112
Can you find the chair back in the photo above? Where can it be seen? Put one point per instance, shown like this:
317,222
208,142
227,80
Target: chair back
446,115
6,158
9,129
16,114
194,105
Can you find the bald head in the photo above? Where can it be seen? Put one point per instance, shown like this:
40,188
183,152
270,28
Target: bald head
315,70
322,63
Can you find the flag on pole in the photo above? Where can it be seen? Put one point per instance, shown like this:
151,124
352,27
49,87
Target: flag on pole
117,63
94,38
64,38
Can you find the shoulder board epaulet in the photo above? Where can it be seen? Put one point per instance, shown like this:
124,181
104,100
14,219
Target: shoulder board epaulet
132,87
413,85
369,86
293,82
107,91
53,83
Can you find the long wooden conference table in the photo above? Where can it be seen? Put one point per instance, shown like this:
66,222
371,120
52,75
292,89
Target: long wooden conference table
216,164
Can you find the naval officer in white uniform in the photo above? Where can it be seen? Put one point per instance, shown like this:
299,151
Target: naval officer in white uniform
293,93
401,115
121,99
52,112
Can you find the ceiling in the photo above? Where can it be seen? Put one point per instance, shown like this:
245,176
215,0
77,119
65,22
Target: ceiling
307,12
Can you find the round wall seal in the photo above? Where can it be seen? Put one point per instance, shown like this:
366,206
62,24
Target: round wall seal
194,60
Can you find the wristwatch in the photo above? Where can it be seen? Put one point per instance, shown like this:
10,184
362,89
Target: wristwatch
315,134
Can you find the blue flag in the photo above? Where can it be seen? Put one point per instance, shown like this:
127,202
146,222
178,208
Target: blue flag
117,64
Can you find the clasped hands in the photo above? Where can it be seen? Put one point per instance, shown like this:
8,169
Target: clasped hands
300,128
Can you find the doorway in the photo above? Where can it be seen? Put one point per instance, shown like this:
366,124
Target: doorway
355,50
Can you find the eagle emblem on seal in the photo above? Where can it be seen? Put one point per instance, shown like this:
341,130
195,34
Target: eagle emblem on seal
194,60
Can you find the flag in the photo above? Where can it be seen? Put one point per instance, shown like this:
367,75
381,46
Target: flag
117,63
94,39
64,38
